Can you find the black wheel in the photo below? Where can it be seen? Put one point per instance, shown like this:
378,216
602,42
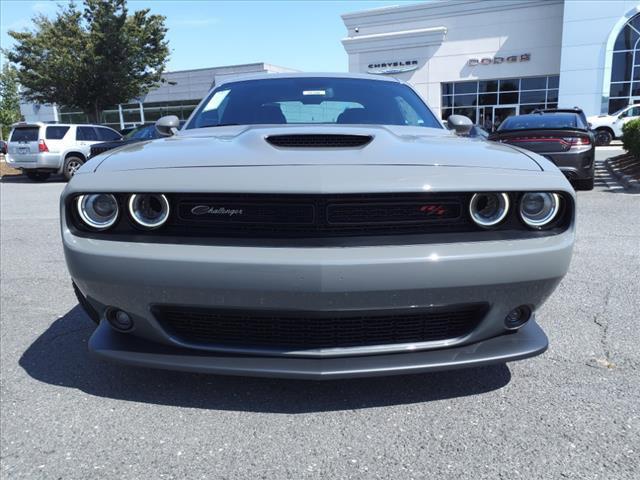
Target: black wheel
583,184
37,176
603,137
71,165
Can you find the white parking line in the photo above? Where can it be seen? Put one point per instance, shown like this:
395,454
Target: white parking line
610,148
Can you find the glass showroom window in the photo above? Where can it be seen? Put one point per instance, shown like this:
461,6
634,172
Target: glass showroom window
625,67
488,102
182,109
72,115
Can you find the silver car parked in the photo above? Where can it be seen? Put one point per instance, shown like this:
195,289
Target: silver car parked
316,226
40,149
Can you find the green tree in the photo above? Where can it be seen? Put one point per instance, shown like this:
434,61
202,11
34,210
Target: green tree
91,58
9,98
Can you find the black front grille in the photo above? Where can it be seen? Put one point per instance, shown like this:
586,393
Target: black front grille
314,216
319,141
317,330
316,220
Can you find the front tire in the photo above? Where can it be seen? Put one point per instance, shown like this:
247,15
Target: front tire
71,166
583,184
603,137
37,176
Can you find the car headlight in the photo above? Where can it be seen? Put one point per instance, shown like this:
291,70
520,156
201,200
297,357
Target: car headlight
98,210
489,209
149,210
538,209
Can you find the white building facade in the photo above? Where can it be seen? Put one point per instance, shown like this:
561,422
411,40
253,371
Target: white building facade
489,59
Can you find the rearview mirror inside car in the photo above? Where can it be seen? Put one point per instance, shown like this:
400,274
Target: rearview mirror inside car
168,125
460,124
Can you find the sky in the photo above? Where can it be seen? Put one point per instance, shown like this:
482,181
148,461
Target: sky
304,35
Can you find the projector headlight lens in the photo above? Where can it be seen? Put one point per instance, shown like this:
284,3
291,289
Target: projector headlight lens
149,210
489,209
98,210
538,209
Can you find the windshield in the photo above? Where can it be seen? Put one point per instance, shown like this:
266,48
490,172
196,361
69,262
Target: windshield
536,121
614,114
322,100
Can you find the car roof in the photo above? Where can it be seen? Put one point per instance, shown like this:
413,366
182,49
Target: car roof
56,124
272,76
542,114
559,110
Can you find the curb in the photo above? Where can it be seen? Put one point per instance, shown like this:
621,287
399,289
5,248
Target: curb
627,181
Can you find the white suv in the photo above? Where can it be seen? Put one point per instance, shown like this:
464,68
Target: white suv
40,149
608,127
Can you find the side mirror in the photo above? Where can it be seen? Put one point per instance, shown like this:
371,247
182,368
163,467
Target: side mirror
460,124
168,125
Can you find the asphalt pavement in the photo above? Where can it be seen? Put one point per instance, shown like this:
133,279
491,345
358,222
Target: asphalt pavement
573,412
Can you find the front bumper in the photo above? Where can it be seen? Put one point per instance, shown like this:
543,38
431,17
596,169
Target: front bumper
135,277
529,341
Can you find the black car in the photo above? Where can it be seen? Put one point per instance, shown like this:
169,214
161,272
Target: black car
144,132
562,136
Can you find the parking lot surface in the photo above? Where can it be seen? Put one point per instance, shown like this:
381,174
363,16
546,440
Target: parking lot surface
573,412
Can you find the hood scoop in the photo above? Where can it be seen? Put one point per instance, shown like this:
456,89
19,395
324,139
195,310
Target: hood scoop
311,140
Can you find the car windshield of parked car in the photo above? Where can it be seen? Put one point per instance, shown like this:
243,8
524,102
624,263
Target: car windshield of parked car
313,100
534,121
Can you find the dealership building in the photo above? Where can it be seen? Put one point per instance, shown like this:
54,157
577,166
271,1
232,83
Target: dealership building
488,59
179,94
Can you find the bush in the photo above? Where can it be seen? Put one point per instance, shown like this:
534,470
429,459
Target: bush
631,137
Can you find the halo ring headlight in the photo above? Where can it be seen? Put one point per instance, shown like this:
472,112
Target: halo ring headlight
489,209
538,209
149,210
98,211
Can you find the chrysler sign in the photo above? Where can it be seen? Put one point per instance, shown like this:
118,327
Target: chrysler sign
387,68
523,57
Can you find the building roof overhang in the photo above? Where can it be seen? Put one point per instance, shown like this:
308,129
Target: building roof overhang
393,40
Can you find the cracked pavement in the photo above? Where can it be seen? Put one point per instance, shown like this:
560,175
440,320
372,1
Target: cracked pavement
570,413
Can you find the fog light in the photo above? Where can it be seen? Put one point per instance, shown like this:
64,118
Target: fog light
517,317
119,319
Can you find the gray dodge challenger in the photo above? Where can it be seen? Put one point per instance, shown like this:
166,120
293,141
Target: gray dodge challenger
316,226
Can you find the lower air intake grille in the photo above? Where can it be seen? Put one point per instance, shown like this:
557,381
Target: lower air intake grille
315,330
319,141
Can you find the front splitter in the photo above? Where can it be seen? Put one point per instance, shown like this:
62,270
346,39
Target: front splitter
110,345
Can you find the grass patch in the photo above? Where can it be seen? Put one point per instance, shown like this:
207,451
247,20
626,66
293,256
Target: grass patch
7,170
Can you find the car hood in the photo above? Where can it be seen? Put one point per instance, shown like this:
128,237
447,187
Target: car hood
239,146
600,119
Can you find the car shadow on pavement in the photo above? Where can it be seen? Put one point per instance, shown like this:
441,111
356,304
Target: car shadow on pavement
24,179
60,357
